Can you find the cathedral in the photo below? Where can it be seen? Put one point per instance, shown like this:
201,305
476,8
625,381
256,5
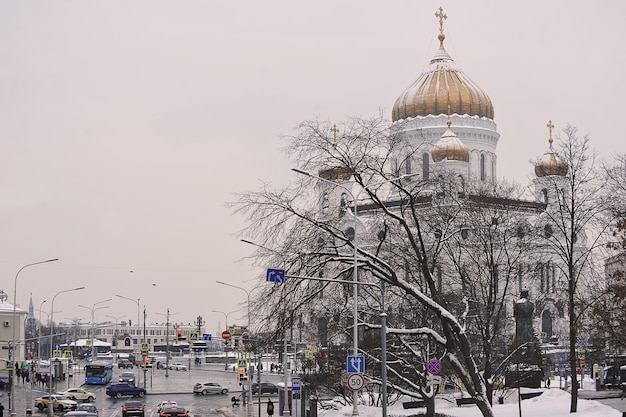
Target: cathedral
448,122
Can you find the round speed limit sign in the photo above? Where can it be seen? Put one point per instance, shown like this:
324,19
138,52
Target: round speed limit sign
355,382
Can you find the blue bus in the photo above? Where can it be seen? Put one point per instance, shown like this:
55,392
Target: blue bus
98,373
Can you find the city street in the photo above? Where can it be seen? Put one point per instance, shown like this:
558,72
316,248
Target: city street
178,386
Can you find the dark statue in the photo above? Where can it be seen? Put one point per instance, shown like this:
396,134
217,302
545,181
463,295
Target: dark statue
523,313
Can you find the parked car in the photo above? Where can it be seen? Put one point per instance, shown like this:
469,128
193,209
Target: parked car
78,394
178,366
57,402
173,411
205,388
133,408
127,377
164,404
266,388
124,364
90,408
124,388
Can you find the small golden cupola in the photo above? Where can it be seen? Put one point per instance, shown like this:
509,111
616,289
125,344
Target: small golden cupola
450,147
550,164
442,84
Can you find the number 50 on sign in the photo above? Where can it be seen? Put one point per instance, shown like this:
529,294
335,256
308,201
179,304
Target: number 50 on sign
355,382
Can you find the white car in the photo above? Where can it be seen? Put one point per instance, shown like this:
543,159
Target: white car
79,394
178,366
59,402
164,404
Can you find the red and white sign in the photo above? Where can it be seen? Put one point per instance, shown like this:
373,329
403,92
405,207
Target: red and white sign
225,335
356,382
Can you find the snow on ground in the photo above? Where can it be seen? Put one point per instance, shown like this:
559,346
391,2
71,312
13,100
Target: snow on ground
552,403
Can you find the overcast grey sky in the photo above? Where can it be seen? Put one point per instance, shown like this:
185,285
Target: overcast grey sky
126,125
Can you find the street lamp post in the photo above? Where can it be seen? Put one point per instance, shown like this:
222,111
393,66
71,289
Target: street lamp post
247,294
51,377
355,280
138,321
39,333
167,341
226,326
93,308
117,319
12,347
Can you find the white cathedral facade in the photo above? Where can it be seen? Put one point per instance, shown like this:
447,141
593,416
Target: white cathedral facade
448,122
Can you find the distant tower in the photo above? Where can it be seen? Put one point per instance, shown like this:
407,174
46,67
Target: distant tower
31,327
551,181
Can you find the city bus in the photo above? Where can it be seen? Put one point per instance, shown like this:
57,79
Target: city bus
98,373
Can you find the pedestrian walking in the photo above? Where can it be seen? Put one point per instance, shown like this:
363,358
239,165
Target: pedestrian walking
270,408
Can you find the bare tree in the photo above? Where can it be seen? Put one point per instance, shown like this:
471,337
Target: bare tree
574,231
402,231
611,332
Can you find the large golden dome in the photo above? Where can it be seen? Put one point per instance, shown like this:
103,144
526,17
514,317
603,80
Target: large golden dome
442,89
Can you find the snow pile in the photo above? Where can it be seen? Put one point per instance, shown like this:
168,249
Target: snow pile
552,403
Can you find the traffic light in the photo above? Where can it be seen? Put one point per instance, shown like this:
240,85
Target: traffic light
180,334
242,375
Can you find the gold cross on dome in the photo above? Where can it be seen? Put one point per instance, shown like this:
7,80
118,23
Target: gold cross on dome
441,16
550,127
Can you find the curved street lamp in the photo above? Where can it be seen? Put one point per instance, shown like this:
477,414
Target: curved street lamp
12,347
247,294
50,410
94,351
117,319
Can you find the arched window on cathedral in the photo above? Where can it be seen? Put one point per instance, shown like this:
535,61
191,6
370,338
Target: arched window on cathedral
544,192
325,203
425,166
546,323
483,173
408,166
461,185
322,331
343,204
350,233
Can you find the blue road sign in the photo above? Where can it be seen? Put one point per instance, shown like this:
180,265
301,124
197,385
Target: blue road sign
206,336
275,275
56,346
356,364
295,384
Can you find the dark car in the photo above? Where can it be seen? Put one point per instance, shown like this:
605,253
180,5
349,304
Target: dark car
266,388
174,411
123,389
133,409
127,377
124,364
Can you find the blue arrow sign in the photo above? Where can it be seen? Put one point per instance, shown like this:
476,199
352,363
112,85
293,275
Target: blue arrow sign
275,275
356,364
